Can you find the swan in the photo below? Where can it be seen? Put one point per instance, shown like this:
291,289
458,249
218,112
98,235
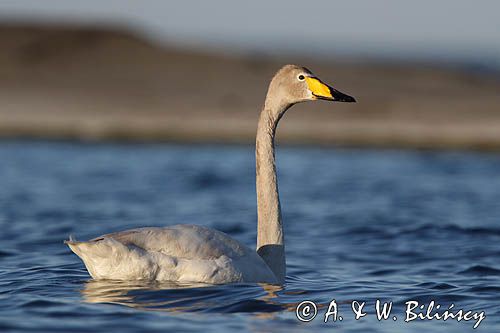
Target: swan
192,253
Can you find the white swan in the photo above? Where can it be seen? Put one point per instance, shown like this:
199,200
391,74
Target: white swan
190,253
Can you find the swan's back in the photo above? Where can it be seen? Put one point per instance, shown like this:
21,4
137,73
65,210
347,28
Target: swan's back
186,253
182,241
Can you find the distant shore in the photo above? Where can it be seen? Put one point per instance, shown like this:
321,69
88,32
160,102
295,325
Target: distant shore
98,85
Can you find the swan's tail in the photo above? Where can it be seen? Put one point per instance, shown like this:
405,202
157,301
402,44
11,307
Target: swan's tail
75,246
93,253
107,258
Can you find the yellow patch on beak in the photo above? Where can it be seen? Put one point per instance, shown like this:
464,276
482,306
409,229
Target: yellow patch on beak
318,88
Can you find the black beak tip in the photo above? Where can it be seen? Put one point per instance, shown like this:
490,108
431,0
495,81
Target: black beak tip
349,99
341,97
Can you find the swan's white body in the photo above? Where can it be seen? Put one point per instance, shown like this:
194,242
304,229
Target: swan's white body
184,253
188,253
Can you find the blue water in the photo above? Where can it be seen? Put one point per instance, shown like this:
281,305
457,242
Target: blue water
360,225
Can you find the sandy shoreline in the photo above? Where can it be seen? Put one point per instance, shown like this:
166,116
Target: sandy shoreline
87,84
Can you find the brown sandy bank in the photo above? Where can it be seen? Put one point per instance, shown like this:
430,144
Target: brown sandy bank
99,84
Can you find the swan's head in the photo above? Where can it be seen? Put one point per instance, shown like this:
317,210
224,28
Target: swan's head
293,84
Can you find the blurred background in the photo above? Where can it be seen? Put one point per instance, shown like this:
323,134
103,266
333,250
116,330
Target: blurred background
426,74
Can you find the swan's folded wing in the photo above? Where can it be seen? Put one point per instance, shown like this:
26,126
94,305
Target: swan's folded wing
181,241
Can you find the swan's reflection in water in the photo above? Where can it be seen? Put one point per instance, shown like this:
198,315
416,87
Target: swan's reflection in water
261,299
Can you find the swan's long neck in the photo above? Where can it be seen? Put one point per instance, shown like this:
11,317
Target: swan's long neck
270,237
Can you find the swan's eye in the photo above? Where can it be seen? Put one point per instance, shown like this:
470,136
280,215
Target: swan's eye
301,77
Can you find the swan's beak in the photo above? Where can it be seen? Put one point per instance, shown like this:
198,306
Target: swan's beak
320,90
